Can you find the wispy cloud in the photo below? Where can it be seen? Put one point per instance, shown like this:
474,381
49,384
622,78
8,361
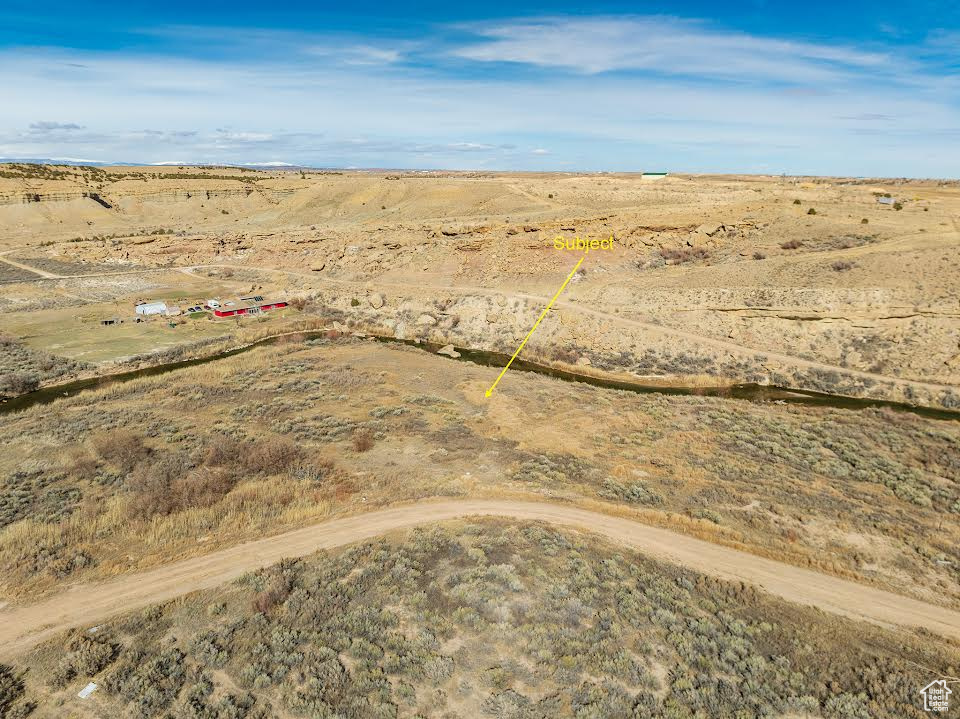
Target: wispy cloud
279,44
869,117
947,41
233,136
356,54
664,45
47,126
547,93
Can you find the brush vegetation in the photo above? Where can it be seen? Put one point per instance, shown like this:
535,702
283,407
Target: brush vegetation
488,619
119,478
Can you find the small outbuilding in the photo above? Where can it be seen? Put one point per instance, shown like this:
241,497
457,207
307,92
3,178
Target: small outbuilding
151,308
248,308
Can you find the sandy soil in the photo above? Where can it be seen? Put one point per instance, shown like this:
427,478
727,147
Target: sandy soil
24,627
804,282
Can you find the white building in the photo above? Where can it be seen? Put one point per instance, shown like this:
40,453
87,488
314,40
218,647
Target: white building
151,308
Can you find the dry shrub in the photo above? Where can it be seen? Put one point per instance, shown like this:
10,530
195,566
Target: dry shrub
270,454
344,488
203,487
20,382
291,339
791,245
567,355
314,470
12,692
90,654
362,439
334,481
684,254
152,485
171,485
81,464
298,303
273,596
85,656
221,451
121,448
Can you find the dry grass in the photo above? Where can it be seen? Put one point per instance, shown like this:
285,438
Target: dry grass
277,437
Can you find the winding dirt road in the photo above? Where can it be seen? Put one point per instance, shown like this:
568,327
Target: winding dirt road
23,627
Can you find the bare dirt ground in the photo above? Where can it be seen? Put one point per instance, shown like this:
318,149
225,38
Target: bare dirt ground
800,282
24,627
134,493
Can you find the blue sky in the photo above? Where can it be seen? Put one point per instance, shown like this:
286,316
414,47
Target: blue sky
842,87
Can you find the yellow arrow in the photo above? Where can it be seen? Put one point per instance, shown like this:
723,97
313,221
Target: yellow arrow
534,328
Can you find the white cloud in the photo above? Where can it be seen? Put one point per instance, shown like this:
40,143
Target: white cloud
664,45
795,107
47,126
231,136
356,54
275,44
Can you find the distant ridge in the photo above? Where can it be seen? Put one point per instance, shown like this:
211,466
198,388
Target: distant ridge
79,162
60,161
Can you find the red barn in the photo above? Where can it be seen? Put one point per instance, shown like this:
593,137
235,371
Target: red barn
247,308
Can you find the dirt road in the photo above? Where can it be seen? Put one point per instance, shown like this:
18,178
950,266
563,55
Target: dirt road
19,265
23,627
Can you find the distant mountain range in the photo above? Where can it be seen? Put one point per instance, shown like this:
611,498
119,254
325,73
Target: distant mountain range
100,163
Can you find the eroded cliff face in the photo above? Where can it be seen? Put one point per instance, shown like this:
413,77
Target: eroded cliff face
727,278
586,341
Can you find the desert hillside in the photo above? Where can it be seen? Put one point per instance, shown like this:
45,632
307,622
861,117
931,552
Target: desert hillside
264,459
807,283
